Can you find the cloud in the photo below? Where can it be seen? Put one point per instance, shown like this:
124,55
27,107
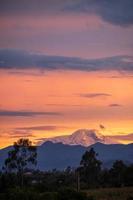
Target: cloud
64,105
31,7
14,133
38,128
94,95
20,134
19,113
102,127
18,59
26,73
41,128
118,12
127,137
114,105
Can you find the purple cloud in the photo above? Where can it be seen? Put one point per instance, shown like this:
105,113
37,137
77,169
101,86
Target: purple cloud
114,105
19,113
94,95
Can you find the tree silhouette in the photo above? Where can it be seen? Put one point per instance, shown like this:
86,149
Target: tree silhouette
90,168
22,156
117,173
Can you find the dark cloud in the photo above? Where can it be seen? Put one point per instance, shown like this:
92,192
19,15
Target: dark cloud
31,7
38,128
114,105
94,95
19,113
102,127
118,12
16,59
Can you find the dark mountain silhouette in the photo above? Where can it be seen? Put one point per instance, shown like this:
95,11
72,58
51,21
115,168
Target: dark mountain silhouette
59,156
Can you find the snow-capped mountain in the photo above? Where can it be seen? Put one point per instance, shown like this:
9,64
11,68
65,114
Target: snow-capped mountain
84,137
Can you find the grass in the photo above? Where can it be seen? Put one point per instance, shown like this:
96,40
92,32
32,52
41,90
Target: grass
112,193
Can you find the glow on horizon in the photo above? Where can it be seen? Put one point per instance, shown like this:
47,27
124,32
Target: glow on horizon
61,91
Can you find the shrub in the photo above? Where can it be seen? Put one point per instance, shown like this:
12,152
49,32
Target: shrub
71,194
130,198
48,196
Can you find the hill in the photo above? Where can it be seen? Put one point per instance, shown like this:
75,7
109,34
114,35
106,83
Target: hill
59,156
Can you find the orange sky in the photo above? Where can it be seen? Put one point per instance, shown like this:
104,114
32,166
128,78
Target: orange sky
63,92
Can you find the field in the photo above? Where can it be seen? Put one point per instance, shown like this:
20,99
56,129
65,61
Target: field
125,193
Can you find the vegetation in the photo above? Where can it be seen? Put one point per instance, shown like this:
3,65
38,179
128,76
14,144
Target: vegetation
23,153
90,168
123,193
18,181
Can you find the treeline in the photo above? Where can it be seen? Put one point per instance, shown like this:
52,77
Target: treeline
119,175
18,181
93,175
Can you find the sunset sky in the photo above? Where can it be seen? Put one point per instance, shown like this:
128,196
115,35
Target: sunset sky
65,65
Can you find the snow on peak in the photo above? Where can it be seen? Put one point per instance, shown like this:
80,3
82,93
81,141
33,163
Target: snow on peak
84,137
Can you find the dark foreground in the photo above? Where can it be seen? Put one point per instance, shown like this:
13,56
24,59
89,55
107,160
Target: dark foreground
67,194
18,182
125,193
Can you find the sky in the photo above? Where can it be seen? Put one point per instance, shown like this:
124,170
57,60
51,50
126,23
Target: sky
65,65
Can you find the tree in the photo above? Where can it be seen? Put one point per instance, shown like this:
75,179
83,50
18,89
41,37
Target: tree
129,175
90,168
22,156
117,173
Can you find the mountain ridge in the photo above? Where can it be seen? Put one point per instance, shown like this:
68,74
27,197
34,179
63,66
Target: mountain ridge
60,156
84,137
